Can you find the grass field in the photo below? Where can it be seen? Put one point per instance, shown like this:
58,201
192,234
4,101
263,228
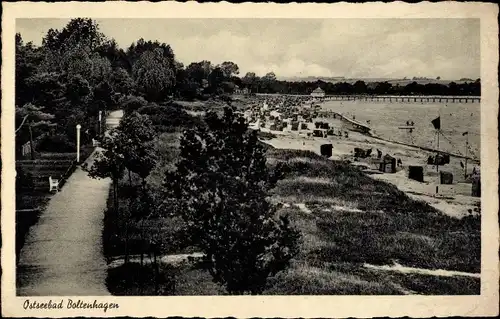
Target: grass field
347,220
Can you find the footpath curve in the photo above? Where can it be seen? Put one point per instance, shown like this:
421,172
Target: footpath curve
63,254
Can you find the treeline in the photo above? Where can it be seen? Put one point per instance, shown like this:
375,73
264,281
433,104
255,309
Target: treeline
78,72
269,84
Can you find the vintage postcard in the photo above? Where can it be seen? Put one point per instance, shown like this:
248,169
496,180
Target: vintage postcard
249,160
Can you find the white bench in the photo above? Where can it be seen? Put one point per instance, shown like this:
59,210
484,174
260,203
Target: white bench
95,143
53,184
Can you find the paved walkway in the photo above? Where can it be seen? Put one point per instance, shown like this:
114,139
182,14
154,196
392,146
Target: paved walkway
63,251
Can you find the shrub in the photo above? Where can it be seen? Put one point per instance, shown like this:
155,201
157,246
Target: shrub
220,189
133,279
133,103
169,118
24,180
56,143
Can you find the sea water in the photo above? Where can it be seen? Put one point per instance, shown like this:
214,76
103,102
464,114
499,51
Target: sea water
385,118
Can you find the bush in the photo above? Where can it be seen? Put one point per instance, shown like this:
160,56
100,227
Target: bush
169,118
56,143
24,180
132,103
220,190
132,279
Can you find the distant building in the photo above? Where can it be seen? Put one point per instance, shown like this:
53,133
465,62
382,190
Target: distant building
239,90
318,93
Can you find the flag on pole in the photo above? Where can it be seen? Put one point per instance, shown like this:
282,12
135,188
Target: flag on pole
465,133
437,123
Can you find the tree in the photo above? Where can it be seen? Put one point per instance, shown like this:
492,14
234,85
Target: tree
143,208
121,81
116,56
153,75
360,87
215,80
249,79
109,163
229,69
382,88
77,62
91,66
132,103
103,100
78,90
45,89
82,32
135,140
220,188
136,50
268,82
36,120
199,71
103,92
101,68
71,47
269,77
28,59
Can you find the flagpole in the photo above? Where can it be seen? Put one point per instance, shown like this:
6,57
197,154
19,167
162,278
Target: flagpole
437,161
466,148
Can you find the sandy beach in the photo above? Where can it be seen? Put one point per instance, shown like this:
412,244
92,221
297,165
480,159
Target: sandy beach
454,200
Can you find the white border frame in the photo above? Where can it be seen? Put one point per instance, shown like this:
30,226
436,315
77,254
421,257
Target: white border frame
268,306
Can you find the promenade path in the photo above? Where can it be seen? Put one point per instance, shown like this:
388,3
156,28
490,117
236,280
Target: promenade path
63,251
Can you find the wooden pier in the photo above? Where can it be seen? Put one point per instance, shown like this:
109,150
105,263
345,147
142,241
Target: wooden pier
402,98
391,98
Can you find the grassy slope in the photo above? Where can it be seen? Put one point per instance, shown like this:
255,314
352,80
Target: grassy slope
336,243
388,227
391,226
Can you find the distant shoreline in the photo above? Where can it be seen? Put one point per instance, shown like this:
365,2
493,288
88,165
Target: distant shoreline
378,95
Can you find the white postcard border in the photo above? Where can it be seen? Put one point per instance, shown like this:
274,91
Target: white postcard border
267,306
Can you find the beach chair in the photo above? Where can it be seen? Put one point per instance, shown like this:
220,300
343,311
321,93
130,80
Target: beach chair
53,184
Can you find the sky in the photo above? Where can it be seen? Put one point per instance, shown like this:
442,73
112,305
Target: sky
351,48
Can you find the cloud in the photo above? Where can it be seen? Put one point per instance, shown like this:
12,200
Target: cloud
306,47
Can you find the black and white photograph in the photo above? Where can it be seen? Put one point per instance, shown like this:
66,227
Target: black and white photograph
254,156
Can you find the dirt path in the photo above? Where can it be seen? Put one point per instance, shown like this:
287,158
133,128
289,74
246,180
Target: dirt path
63,251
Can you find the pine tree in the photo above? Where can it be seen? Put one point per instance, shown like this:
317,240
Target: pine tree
220,186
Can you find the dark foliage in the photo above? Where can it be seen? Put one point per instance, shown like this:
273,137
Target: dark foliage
56,143
169,118
219,189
